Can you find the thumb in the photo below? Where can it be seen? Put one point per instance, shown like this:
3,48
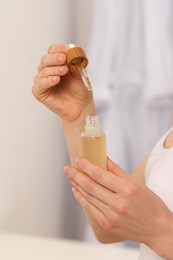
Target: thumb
115,168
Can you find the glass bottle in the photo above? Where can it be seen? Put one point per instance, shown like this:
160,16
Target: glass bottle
93,142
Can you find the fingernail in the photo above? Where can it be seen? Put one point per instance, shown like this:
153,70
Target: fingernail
77,161
74,189
66,168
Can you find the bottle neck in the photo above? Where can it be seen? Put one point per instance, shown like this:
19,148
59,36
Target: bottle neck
92,122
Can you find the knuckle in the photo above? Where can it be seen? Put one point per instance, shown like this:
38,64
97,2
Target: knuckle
112,216
44,72
122,206
107,225
43,59
51,48
36,79
131,189
110,221
119,205
113,203
56,80
97,174
88,186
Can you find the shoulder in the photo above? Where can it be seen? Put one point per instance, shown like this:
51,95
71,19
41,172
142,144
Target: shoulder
165,141
139,171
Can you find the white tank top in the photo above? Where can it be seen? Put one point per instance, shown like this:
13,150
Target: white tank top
159,178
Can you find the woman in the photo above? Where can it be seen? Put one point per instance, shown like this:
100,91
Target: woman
118,206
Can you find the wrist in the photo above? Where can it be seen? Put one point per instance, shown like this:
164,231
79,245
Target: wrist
78,122
162,243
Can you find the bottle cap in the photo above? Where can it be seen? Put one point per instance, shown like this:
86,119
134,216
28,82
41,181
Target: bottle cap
76,58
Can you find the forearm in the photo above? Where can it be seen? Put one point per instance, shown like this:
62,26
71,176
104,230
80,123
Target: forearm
73,129
72,132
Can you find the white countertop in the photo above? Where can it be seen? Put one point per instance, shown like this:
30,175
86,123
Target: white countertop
20,247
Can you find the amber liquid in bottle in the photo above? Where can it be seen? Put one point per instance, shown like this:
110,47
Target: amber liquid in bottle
93,142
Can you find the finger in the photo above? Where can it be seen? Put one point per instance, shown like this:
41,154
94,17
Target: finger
89,185
48,82
91,199
53,71
115,168
44,84
58,48
52,60
93,211
107,179
109,211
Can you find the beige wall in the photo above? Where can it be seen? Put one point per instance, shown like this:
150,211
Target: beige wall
83,21
32,149
34,193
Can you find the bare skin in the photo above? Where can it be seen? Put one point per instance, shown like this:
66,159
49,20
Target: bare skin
110,199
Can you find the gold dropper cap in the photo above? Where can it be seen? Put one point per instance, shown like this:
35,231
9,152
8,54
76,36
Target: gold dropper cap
76,58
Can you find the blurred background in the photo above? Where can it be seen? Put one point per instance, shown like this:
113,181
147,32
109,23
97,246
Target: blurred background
129,46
